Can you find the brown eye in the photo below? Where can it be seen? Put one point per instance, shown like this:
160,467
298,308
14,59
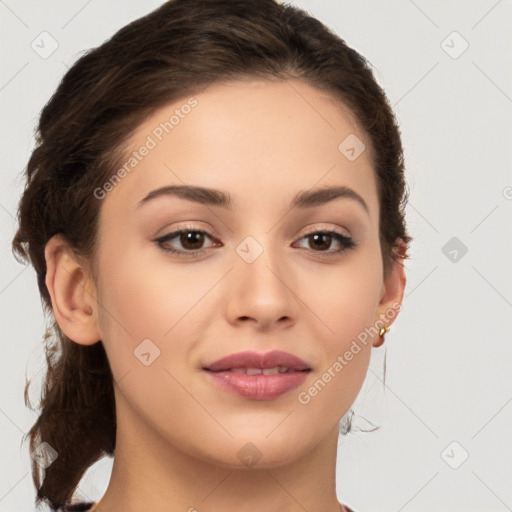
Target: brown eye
320,241
190,240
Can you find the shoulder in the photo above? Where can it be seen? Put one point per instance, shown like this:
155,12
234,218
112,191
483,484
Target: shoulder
84,506
76,507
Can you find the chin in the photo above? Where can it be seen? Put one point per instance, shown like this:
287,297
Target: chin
254,450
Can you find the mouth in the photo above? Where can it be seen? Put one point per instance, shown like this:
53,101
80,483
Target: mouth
254,363
257,383
258,376
260,371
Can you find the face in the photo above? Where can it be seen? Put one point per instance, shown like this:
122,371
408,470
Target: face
259,274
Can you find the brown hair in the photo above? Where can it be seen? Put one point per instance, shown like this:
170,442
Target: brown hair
174,51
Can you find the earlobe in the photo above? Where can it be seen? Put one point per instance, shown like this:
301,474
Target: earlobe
391,299
68,284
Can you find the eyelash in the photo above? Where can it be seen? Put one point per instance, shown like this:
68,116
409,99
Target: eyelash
347,242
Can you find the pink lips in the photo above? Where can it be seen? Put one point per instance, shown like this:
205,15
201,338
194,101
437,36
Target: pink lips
258,360
288,372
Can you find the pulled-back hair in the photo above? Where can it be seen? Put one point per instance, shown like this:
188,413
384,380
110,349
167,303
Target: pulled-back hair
171,53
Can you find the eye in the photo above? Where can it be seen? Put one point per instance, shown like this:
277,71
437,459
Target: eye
321,240
192,240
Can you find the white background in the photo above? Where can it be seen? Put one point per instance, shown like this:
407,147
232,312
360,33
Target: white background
448,355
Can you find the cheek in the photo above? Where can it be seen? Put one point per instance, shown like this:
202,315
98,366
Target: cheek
147,363
142,294
346,297
143,300
344,300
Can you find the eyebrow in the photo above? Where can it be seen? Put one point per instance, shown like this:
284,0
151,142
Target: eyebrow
213,197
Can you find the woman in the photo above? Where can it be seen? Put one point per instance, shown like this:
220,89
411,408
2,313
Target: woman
215,214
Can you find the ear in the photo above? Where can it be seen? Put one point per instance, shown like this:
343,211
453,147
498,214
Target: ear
392,292
72,292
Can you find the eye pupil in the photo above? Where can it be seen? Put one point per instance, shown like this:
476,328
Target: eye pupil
193,237
316,236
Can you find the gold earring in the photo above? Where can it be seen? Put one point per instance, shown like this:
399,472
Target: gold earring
383,330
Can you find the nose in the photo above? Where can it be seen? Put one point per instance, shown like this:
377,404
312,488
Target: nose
261,292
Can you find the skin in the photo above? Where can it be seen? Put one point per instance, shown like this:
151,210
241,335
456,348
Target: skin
177,434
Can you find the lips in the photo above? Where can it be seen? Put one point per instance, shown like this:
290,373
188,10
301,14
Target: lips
258,376
254,363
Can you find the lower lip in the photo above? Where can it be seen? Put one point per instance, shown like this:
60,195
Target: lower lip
258,387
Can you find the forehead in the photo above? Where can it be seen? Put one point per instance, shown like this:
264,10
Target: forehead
264,137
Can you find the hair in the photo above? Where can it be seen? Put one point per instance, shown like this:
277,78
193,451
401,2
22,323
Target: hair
176,50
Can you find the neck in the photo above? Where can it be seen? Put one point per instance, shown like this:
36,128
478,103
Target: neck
152,473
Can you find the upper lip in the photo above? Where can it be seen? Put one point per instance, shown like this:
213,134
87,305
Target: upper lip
251,359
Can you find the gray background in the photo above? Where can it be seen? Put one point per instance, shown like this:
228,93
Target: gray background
448,390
